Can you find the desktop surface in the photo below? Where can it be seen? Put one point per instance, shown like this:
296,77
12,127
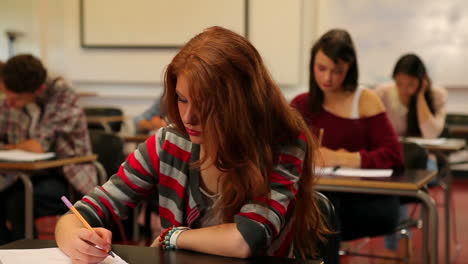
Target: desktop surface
142,255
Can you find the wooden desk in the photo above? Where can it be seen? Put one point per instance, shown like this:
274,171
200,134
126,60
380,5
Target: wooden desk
450,145
45,164
143,255
409,183
28,186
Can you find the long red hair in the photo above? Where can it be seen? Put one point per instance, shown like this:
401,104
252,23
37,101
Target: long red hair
244,115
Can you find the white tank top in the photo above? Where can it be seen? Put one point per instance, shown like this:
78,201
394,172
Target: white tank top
355,106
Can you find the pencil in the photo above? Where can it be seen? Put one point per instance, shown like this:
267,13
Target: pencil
320,138
85,223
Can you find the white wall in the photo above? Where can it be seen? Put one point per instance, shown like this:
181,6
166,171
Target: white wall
131,78
384,30
21,16
51,28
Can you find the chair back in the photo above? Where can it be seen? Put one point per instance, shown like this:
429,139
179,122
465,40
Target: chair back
415,156
104,112
456,119
110,150
328,251
452,121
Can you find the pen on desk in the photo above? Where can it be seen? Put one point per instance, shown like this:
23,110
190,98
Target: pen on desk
73,209
320,138
335,169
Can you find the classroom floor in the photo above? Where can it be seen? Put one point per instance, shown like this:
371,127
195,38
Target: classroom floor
460,196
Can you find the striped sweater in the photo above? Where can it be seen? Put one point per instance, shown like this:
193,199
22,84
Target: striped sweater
162,164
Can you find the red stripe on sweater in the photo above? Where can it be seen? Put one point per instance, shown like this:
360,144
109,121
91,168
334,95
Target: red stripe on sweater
274,204
302,137
177,152
131,205
168,215
290,159
192,216
261,219
172,183
137,165
278,178
152,152
98,209
110,208
130,184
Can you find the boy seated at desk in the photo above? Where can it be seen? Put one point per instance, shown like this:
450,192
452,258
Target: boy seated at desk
39,115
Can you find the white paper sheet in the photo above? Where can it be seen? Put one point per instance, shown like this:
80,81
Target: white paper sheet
21,155
426,141
343,171
44,255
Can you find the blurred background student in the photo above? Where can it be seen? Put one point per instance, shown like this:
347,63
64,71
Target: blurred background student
151,119
416,108
357,132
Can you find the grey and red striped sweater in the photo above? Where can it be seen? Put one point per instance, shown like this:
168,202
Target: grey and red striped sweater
162,165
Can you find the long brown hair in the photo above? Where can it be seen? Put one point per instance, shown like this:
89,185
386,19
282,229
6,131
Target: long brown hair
337,44
244,115
410,64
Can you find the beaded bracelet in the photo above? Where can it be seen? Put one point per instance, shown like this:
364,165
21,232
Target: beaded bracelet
168,237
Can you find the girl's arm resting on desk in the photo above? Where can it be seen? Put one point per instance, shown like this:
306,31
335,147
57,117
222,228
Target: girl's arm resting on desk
78,242
223,240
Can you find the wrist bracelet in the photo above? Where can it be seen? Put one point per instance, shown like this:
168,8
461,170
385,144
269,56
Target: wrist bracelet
175,235
168,237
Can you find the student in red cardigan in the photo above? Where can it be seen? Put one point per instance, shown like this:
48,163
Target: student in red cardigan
233,170
357,132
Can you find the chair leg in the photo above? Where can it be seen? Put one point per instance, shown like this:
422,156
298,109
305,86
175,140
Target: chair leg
136,227
454,222
454,230
405,234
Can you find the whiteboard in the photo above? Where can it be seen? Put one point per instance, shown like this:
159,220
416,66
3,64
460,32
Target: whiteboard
384,30
155,23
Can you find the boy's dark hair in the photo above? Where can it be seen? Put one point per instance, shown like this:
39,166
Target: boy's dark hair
23,74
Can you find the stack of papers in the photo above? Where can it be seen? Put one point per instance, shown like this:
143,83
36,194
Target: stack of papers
44,255
21,155
343,171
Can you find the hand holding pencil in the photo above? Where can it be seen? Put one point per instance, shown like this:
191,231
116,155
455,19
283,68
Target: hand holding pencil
84,222
320,138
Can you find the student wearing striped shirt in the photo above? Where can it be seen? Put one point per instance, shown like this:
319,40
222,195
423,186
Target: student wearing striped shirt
234,170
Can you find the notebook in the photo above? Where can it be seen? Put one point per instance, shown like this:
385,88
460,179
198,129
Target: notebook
44,255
